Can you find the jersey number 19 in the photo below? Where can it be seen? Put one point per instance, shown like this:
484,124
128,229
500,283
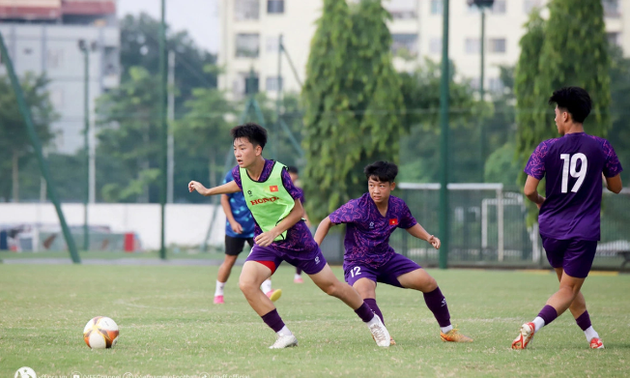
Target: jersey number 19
569,167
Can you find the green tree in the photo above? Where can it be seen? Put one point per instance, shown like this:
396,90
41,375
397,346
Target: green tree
619,134
352,102
139,47
15,146
419,151
128,140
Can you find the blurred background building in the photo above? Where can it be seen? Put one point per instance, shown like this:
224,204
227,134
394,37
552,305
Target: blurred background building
250,30
43,36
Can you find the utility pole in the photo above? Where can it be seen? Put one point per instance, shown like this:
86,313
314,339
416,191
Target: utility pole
171,119
444,134
84,46
163,129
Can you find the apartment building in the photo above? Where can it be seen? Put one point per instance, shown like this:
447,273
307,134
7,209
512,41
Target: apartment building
251,28
43,36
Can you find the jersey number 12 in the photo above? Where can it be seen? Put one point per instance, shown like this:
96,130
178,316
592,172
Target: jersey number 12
569,167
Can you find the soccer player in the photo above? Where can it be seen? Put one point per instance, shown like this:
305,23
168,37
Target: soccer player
369,258
573,165
280,235
239,228
295,176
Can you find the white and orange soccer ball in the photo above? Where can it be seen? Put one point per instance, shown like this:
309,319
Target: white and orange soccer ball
100,332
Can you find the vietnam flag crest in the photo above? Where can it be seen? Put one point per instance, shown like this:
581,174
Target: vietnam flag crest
273,188
393,222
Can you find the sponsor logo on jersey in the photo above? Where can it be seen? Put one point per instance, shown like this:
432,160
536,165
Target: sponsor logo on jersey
263,200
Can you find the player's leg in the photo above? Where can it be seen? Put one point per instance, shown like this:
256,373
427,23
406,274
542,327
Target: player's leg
298,276
366,288
260,265
419,279
272,294
582,317
575,258
321,274
233,247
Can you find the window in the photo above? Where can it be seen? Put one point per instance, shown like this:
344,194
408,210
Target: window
247,45
56,98
495,84
405,45
499,7
273,84
246,10
611,8
435,45
613,38
472,46
275,6
273,44
402,9
436,6
529,5
54,58
497,45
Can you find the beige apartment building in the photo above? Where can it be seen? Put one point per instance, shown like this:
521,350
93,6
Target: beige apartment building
250,31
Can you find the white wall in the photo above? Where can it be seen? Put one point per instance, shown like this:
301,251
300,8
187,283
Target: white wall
185,224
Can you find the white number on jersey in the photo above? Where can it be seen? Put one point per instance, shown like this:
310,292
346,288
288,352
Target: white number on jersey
355,271
569,167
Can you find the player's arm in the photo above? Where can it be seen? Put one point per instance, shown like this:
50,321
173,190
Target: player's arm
531,191
322,230
230,187
419,232
306,220
266,238
227,209
613,183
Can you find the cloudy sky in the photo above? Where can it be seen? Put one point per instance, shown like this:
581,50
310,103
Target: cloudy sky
199,17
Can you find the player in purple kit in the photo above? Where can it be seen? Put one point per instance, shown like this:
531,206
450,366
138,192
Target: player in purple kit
573,165
295,176
369,258
280,235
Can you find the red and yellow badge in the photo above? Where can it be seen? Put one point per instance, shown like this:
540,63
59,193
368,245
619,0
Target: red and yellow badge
393,222
273,188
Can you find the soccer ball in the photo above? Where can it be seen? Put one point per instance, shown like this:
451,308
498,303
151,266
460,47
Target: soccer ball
100,332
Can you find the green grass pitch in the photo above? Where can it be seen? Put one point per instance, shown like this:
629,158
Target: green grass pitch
169,326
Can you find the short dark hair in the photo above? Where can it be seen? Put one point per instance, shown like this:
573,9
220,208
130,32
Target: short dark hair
384,171
255,134
575,100
292,169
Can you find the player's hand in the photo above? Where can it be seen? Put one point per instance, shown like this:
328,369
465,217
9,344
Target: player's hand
265,239
194,185
435,242
236,227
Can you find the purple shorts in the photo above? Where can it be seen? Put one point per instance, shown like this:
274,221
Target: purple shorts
311,262
388,273
574,256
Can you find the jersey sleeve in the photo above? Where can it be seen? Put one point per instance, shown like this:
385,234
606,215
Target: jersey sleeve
406,219
536,164
347,213
236,174
288,184
612,167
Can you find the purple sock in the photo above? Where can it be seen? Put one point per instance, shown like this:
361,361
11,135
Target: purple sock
273,320
298,271
372,303
365,312
548,314
584,321
437,304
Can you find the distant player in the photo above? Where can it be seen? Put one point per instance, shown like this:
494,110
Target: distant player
369,258
239,228
295,176
281,235
569,215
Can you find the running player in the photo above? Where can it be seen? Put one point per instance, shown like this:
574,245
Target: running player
281,235
573,165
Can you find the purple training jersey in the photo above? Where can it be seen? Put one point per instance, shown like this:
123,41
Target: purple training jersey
368,232
299,238
573,165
